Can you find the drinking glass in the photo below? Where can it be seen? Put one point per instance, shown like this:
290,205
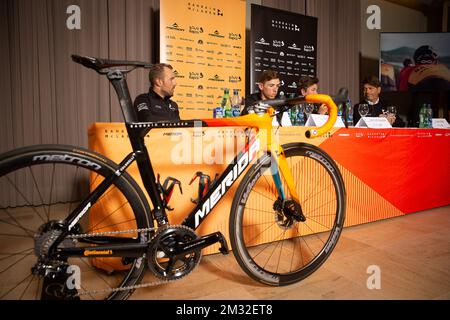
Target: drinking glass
363,109
392,110
309,108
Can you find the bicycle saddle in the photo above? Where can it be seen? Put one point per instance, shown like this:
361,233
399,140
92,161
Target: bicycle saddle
99,64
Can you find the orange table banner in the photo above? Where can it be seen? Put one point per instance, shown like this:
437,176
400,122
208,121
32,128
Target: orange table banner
387,172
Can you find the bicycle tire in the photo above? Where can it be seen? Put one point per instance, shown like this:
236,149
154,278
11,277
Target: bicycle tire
258,239
29,201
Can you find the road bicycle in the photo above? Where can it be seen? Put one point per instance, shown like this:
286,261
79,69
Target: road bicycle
286,216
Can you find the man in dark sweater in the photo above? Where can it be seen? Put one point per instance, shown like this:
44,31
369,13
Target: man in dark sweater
268,84
156,105
377,106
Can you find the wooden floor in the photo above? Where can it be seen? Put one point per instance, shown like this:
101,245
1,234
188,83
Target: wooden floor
412,253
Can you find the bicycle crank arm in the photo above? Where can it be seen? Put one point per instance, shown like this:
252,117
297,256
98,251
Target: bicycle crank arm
203,242
118,250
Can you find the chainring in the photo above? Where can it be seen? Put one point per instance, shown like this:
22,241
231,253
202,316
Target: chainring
161,259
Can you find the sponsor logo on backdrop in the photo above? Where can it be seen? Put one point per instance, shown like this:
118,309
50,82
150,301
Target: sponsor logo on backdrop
234,79
195,75
293,85
216,34
294,47
285,25
234,36
278,43
195,30
262,41
175,27
177,74
308,48
216,77
203,8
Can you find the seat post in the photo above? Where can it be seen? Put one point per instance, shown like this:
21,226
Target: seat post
117,79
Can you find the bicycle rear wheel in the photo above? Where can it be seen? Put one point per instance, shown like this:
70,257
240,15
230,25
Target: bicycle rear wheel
271,246
40,186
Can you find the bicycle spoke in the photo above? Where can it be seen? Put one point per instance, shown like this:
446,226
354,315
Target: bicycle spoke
15,262
109,215
25,198
18,284
18,225
259,210
51,190
15,254
29,282
39,193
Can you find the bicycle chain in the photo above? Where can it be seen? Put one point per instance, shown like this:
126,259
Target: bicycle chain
110,290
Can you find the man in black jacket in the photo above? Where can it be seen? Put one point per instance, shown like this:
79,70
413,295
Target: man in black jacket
268,84
156,105
377,106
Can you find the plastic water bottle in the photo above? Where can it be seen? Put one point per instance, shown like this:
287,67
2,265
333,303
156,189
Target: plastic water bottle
340,113
226,104
218,112
429,116
349,113
300,116
423,122
235,104
294,115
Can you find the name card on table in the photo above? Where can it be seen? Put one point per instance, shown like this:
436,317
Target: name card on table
318,120
285,121
373,123
440,124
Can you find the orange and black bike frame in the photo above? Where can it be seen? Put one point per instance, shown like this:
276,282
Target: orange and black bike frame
128,247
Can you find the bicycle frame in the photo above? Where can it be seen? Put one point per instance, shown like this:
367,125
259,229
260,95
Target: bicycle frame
137,130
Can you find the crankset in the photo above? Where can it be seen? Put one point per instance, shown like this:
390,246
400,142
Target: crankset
176,250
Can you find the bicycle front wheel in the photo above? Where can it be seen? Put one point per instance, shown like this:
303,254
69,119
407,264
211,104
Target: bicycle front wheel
40,186
269,244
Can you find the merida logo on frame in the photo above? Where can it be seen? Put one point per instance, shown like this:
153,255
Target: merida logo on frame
227,182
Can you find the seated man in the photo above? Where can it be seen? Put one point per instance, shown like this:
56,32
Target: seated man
309,85
377,107
156,105
268,84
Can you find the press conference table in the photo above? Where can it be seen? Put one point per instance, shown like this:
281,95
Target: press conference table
387,172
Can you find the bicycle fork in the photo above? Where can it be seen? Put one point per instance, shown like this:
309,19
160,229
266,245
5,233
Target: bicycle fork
289,206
